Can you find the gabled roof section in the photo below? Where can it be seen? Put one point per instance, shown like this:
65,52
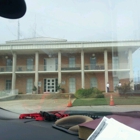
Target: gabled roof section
36,40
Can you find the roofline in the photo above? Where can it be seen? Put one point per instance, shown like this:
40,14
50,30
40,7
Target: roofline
66,42
35,39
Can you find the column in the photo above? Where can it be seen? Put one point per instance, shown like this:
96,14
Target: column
14,71
59,68
82,70
36,70
106,68
131,67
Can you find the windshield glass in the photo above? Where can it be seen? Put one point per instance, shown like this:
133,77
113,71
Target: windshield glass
71,55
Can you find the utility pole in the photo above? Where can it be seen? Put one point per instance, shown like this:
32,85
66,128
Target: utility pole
34,28
138,77
18,31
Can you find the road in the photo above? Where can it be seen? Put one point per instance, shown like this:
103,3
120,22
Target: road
29,106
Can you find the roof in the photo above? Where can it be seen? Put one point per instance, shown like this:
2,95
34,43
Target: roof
36,40
49,40
46,43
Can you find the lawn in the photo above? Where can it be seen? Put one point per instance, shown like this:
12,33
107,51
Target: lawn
105,101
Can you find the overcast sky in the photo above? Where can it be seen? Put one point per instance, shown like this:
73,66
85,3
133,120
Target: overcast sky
76,20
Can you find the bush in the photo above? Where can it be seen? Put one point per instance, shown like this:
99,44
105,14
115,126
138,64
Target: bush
89,93
99,96
123,89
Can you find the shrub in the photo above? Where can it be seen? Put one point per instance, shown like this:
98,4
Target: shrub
89,93
99,96
123,89
34,88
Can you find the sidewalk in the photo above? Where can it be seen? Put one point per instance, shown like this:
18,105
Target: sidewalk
26,106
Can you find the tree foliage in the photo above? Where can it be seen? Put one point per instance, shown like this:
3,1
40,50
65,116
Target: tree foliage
125,88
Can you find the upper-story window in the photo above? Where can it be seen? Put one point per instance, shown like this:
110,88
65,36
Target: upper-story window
8,64
72,62
56,63
29,64
93,62
115,62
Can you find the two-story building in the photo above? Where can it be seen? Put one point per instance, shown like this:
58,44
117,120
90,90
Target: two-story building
47,62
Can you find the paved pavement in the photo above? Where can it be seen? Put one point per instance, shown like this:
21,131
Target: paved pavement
26,106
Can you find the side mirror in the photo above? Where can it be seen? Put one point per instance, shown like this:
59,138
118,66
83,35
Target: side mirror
12,9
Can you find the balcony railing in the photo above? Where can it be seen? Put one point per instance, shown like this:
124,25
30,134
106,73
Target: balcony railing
118,66
71,67
65,67
94,66
6,93
25,68
48,67
6,69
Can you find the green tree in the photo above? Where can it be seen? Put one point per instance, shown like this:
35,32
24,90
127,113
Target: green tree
125,88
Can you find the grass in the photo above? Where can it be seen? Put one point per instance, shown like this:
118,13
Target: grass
105,101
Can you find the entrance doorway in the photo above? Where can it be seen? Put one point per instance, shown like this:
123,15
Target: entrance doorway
50,85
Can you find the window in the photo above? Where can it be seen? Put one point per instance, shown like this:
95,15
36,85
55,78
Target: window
115,62
93,62
93,82
8,65
45,64
72,62
72,87
56,63
8,84
29,85
29,64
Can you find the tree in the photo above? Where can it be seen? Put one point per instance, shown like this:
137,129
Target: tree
125,88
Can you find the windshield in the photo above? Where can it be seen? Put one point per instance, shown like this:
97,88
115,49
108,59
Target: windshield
71,55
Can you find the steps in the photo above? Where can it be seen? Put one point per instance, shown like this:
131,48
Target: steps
114,94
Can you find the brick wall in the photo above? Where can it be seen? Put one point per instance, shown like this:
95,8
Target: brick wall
41,58
65,58
22,59
100,80
66,77
3,79
99,58
22,78
3,59
21,81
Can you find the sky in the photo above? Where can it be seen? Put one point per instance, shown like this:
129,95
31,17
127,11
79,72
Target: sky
77,20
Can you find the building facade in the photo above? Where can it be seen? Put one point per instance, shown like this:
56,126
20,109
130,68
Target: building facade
47,62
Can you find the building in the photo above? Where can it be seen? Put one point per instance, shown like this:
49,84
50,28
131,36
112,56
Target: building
47,62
